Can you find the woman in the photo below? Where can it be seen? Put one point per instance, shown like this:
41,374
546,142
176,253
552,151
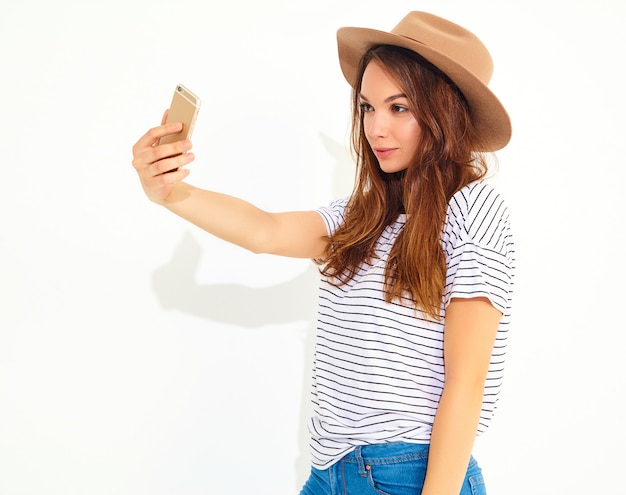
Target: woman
417,264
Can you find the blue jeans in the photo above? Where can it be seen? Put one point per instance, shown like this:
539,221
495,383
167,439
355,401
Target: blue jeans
385,469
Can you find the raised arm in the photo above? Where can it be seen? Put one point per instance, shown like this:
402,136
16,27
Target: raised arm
469,334
300,234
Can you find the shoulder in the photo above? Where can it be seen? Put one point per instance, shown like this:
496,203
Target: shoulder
479,246
480,213
476,197
333,214
477,205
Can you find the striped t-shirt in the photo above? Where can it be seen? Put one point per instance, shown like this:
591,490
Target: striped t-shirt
379,371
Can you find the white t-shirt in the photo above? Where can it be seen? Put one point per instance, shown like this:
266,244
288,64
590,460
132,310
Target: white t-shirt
379,368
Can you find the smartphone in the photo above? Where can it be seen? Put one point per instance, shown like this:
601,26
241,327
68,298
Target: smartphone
184,108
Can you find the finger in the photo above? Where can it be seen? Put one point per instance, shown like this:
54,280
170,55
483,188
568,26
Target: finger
164,119
143,159
174,177
153,135
171,164
168,150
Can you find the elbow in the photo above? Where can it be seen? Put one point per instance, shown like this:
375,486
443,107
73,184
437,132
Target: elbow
257,249
471,382
259,243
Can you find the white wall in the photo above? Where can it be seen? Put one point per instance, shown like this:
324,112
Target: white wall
141,356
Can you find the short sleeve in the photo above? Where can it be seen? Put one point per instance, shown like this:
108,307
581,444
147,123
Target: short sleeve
333,214
479,247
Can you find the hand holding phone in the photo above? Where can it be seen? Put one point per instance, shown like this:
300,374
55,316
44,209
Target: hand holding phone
184,109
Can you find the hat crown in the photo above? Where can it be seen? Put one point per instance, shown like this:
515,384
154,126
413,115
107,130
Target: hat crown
449,39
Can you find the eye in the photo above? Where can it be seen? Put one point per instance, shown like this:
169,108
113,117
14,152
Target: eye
399,109
366,107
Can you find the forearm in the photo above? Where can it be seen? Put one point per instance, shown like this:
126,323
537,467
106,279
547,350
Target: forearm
452,439
229,218
162,169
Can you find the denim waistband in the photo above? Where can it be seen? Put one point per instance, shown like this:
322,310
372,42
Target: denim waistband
387,453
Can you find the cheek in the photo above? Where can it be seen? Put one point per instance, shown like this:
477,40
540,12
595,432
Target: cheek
413,132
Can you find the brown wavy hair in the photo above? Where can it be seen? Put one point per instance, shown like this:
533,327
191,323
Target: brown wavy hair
445,162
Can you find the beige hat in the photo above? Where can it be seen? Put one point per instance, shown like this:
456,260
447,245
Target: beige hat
454,50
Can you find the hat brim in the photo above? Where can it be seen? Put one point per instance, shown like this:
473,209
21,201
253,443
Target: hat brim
488,114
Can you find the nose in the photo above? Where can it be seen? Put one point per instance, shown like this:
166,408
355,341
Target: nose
376,124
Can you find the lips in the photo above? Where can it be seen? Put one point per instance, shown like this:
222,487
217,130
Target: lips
382,153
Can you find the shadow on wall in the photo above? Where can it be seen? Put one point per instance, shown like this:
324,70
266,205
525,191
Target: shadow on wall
176,288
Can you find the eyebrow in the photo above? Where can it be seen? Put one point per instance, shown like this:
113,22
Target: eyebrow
387,100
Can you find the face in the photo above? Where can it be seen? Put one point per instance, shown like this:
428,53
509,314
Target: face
390,128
